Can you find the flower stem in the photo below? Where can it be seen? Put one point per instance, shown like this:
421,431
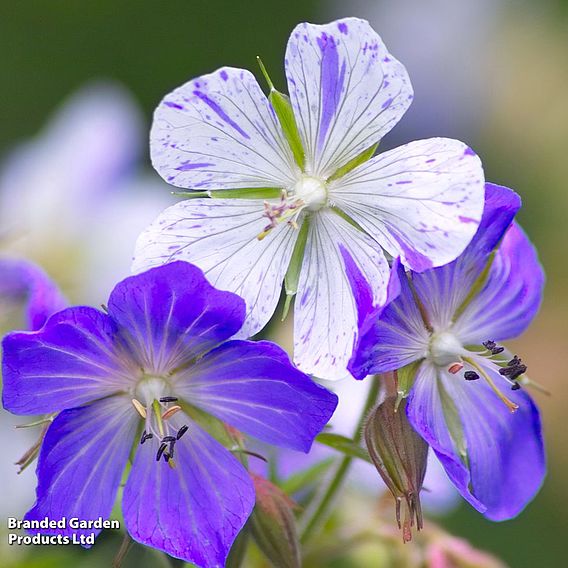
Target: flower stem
318,509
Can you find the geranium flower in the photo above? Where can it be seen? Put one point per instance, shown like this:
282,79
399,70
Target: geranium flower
24,283
135,380
441,329
307,184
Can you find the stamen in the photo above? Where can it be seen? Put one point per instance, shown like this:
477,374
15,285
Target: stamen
161,451
170,412
169,399
146,436
169,439
139,408
182,431
514,369
516,386
493,347
510,404
284,211
157,413
455,368
470,376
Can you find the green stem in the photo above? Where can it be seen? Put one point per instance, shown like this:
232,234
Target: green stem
318,510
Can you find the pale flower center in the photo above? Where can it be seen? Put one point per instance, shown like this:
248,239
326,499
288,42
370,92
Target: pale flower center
151,388
312,191
445,349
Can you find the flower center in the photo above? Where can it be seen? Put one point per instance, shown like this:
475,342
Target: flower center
445,349
152,388
312,191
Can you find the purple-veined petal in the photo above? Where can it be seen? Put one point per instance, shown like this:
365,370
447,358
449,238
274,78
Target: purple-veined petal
254,387
346,89
325,313
72,360
193,511
512,295
444,289
391,335
220,236
505,450
173,314
219,132
422,201
81,462
24,281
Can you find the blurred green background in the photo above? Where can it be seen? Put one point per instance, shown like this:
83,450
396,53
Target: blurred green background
492,73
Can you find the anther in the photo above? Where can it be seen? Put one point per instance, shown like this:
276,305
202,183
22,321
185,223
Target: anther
169,439
182,431
455,368
161,451
169,399
470,376
145,436
166,456
170,412
139,408
493,347
516,386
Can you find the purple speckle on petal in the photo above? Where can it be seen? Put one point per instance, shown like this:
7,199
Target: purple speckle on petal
173,105
469,152
220,112
467,219
342,27
185,167
224,75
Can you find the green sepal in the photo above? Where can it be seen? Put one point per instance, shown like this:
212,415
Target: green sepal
344,445
353,163
283,109
241,193
453,422
295,267
405,379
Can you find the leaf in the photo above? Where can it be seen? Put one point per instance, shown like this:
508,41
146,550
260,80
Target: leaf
344,445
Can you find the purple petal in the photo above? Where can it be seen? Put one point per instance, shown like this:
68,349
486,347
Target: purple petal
173,315
346,89
422,201
24,281
81,463
512,296
254,387
505,451
70,361
392,335
219,132
444,289
193,511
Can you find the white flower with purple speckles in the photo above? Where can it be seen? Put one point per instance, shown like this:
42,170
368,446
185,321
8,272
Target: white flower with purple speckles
294,179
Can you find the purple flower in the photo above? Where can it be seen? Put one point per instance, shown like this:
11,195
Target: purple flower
23,282
445,327
293,181
141,376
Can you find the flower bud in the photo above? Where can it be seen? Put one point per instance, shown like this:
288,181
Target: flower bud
273,525
400,456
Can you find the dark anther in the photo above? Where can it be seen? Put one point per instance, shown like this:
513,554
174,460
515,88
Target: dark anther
145,436
182,431
470,376
514,369
171,449
169,439
516,387
169,399
167,457
493,347
161,451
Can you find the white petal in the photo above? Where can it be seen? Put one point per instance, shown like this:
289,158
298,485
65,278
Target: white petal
346,89
325,315
422,201
220,237
219,132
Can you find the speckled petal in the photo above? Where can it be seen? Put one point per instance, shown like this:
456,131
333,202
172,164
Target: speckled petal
325,316
346,89
220,236
219,132
422,201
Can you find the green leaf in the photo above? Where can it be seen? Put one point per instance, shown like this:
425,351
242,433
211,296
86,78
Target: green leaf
356,161
294,268
344,445
306,477
239,193
283,109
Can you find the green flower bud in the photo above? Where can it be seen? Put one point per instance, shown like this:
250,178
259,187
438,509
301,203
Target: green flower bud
273,525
